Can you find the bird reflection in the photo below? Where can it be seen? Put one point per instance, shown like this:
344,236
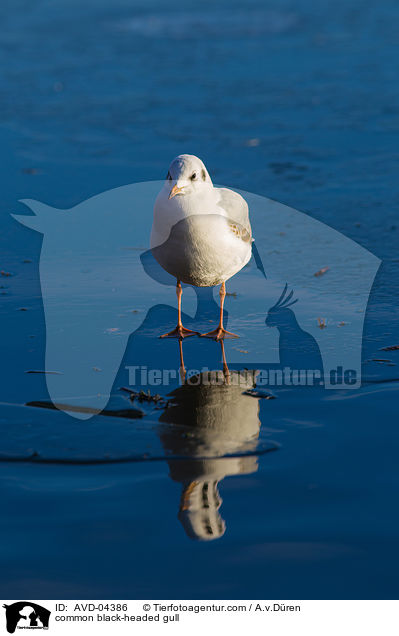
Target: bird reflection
216,429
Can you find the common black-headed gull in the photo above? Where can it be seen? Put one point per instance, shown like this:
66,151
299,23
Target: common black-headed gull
200,234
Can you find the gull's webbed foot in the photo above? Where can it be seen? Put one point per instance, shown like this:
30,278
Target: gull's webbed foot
219,334
180,332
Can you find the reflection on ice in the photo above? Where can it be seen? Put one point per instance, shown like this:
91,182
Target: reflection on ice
224,421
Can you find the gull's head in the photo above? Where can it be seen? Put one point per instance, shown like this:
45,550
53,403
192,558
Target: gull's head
187,175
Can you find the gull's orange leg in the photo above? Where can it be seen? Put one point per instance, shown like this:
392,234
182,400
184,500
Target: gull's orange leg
179,331
220,332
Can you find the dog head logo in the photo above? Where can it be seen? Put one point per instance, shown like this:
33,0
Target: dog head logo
96,292
26,615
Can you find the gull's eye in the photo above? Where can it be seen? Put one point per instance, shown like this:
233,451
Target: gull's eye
193,176
169,176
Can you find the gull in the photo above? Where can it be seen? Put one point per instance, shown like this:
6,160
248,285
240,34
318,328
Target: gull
201,235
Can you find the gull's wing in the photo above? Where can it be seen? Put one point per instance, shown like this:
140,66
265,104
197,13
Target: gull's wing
235,207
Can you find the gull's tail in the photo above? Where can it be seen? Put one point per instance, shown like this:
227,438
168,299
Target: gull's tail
258,259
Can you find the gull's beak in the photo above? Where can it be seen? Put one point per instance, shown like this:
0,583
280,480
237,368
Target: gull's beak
175,190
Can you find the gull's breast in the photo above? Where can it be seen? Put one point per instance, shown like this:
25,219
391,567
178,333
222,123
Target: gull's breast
204,250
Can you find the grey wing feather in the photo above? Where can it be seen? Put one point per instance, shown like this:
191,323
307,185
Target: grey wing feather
236,208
